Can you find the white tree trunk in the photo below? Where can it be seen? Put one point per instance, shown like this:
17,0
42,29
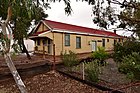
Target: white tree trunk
6,51
15,74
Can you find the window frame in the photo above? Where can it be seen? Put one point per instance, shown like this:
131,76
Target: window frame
67,42
119,40
103,43
38,42
78,43
115,41
108,40
44,41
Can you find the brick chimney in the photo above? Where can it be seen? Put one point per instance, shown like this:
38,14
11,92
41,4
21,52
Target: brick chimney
114,31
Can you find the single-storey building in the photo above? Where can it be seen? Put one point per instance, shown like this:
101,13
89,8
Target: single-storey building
56,37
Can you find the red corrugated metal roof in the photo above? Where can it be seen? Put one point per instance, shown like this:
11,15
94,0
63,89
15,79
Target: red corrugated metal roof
74,28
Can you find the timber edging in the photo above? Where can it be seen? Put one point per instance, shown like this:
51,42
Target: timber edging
103,88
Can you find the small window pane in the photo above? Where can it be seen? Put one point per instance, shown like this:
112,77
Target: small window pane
78,42
67,39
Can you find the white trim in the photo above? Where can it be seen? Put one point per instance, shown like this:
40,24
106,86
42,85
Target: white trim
46,25
36,26
33,36
44,33
36,36
74,32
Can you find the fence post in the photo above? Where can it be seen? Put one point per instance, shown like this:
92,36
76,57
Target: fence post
83,67
53,57
43,52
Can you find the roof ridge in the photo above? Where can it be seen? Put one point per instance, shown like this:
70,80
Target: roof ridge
76,25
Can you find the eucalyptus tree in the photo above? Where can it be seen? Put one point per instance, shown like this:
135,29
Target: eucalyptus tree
22,22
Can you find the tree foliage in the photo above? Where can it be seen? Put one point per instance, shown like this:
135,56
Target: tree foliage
124,49
123,14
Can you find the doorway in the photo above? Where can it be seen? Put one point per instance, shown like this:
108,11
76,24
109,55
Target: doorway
93,46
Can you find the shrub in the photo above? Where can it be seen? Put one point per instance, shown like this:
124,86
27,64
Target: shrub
124,49
100,55
69,59
130,65
92,71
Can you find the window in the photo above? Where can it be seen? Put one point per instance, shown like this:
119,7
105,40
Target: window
119,40
107,40
78,42
103,42
115,41
67,39
38,42
44,42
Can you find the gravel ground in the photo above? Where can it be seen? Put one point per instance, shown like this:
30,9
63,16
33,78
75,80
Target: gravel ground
110,74
110,77
50,82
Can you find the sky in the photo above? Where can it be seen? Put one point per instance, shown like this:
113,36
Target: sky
81,15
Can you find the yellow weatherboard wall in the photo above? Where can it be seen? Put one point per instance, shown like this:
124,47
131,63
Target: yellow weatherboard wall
42,27
59,41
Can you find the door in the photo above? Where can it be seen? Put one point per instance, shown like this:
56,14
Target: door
103,42
93,45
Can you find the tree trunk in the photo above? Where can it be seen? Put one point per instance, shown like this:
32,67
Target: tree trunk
25,50
10,64
20,45
15,74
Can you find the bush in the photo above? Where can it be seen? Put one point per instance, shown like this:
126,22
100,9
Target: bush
100,55
130,65
69,59
92,71
124,49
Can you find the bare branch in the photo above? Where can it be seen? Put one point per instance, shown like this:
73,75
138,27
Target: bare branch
9,14
10,38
